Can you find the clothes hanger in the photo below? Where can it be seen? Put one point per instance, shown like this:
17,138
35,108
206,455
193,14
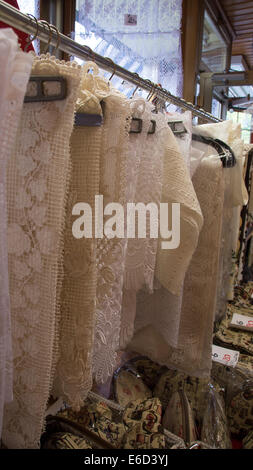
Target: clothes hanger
39,80
226,154
177,127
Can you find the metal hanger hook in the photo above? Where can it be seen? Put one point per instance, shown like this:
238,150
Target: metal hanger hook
113,66
29,41
50,34
137,86
58,37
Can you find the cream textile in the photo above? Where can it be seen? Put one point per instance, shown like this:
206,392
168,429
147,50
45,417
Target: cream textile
36,184
141,252
74,370
15,71
193,353
111,252
160,313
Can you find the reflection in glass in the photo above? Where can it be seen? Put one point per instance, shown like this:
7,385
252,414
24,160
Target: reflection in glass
214,48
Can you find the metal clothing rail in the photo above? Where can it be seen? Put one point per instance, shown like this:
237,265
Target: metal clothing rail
25,23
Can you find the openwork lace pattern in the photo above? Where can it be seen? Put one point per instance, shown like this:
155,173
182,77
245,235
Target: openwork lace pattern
16,67
74,369
161,311
141,253
193,353
36,185
155,39
110,255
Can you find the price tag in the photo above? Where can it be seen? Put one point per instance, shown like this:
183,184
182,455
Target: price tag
130,20
225,356
242,322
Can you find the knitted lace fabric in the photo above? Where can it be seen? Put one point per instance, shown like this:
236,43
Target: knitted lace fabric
36,185
110,255
160,312
15,71
74,369
141,252
193,353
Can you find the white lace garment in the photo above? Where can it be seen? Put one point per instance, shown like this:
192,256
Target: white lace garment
193,352
160,312
36,185
141,252
15,71
235,197
74,368
111,252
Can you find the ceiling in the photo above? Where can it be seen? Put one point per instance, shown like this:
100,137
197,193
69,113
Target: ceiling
240,15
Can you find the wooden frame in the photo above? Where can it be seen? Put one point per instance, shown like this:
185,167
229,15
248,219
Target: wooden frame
192,30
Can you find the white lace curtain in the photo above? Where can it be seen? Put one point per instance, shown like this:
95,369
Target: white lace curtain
150,45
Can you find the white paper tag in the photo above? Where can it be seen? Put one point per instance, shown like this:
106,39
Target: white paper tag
130,20
225,356
242,322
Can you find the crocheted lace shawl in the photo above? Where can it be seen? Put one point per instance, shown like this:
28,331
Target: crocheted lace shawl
36,184
15,70
74,370
193,353
154,311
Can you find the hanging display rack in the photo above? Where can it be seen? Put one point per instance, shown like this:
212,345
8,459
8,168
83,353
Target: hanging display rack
25,23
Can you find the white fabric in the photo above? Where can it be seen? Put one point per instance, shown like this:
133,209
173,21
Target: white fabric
111,252
15,70
141,253
193,352
158,315
151,47
37,180
235,197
